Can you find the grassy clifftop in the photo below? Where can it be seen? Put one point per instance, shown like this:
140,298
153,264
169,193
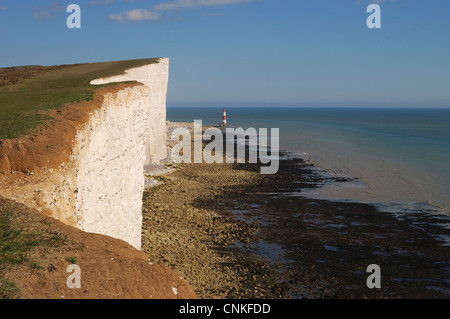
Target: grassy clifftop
27,92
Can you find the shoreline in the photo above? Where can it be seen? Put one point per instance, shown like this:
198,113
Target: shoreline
341,186
233,233
347,142
356,186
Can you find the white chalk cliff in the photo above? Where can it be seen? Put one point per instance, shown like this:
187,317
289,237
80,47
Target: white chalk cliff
100,189
155,77
122,136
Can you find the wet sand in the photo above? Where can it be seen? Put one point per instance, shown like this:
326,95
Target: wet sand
234,233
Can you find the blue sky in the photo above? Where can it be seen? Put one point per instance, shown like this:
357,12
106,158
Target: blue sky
251,52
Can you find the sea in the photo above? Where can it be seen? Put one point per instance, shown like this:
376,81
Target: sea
397,159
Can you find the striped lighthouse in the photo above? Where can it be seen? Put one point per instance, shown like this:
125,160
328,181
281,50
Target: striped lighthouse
224,121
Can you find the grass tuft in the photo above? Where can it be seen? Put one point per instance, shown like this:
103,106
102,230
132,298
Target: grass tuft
16,244
72,260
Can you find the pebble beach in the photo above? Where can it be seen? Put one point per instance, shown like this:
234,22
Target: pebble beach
234,233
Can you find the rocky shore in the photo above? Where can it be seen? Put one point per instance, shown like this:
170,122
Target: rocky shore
224,231
234,233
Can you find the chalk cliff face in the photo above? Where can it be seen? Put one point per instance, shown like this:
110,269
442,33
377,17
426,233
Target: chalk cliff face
155,77
100,189
110,155
126,133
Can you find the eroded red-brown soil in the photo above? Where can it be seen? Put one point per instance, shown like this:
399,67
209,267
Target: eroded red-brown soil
110,268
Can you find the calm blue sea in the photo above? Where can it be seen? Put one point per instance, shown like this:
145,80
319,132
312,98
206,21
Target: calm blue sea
400,158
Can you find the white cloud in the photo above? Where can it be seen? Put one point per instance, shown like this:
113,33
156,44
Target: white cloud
178,4
144,14
135,15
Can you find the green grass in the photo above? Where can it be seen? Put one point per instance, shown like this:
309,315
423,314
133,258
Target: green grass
21,104
8,290
72,260
16,243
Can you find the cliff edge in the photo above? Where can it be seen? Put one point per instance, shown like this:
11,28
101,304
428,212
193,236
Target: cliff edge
84,166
